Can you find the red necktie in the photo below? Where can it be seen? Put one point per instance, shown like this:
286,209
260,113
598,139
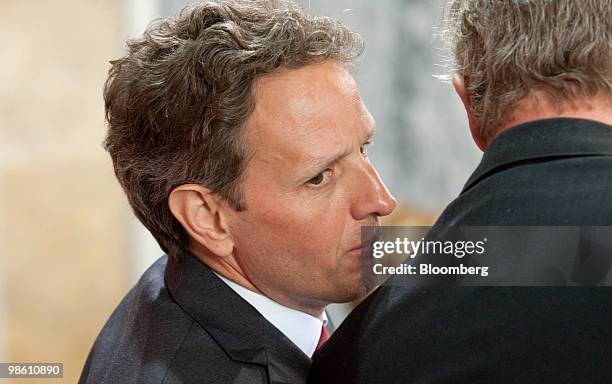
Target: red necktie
324,337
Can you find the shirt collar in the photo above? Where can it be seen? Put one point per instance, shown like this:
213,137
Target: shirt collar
301,328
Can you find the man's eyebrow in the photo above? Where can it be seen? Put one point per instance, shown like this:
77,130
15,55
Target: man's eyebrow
320,162
370,135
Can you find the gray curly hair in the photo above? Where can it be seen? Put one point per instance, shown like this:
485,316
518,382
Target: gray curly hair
503,49
177,103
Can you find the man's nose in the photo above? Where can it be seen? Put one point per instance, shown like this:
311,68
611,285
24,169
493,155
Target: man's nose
372,196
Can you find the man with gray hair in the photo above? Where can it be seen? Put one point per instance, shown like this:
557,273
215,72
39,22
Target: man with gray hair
240,140
535,77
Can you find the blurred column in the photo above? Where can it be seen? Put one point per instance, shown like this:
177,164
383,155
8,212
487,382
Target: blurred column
139,13
62,238
144,250
3,308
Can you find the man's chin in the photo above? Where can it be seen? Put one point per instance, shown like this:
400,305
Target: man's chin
355,292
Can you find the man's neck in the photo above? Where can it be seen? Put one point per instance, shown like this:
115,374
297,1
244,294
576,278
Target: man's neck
230,269
538,108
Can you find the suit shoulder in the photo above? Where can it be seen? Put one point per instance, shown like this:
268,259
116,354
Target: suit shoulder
141,336
150,338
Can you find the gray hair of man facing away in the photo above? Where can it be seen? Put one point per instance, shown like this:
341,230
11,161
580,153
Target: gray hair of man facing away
177,102
507,50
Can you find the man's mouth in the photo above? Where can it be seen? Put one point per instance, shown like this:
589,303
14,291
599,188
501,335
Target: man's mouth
368,240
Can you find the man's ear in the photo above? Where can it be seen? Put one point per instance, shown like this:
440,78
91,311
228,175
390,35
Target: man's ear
461,89
204,217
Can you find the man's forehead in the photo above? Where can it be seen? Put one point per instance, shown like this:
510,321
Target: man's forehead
296,104
298,93
304,77
315,143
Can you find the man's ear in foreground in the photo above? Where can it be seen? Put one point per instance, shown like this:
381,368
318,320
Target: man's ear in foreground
461,89
203,215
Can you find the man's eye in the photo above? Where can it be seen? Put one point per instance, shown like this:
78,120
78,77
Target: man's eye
364,148
321,178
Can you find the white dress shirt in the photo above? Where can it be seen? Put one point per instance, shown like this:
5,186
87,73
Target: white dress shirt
301,328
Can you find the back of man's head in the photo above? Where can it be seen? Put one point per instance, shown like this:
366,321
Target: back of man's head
178,101
508,50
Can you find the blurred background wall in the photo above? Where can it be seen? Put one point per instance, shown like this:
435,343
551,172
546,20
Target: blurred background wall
63,258
69,245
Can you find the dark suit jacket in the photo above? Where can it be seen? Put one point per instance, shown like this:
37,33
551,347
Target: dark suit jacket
551,172
182,324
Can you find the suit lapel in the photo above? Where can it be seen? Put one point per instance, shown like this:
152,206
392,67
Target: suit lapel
244,334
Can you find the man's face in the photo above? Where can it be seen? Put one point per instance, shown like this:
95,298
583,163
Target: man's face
308,188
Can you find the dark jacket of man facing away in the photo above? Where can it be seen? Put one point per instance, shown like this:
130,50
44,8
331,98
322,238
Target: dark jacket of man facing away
535,77
240,138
